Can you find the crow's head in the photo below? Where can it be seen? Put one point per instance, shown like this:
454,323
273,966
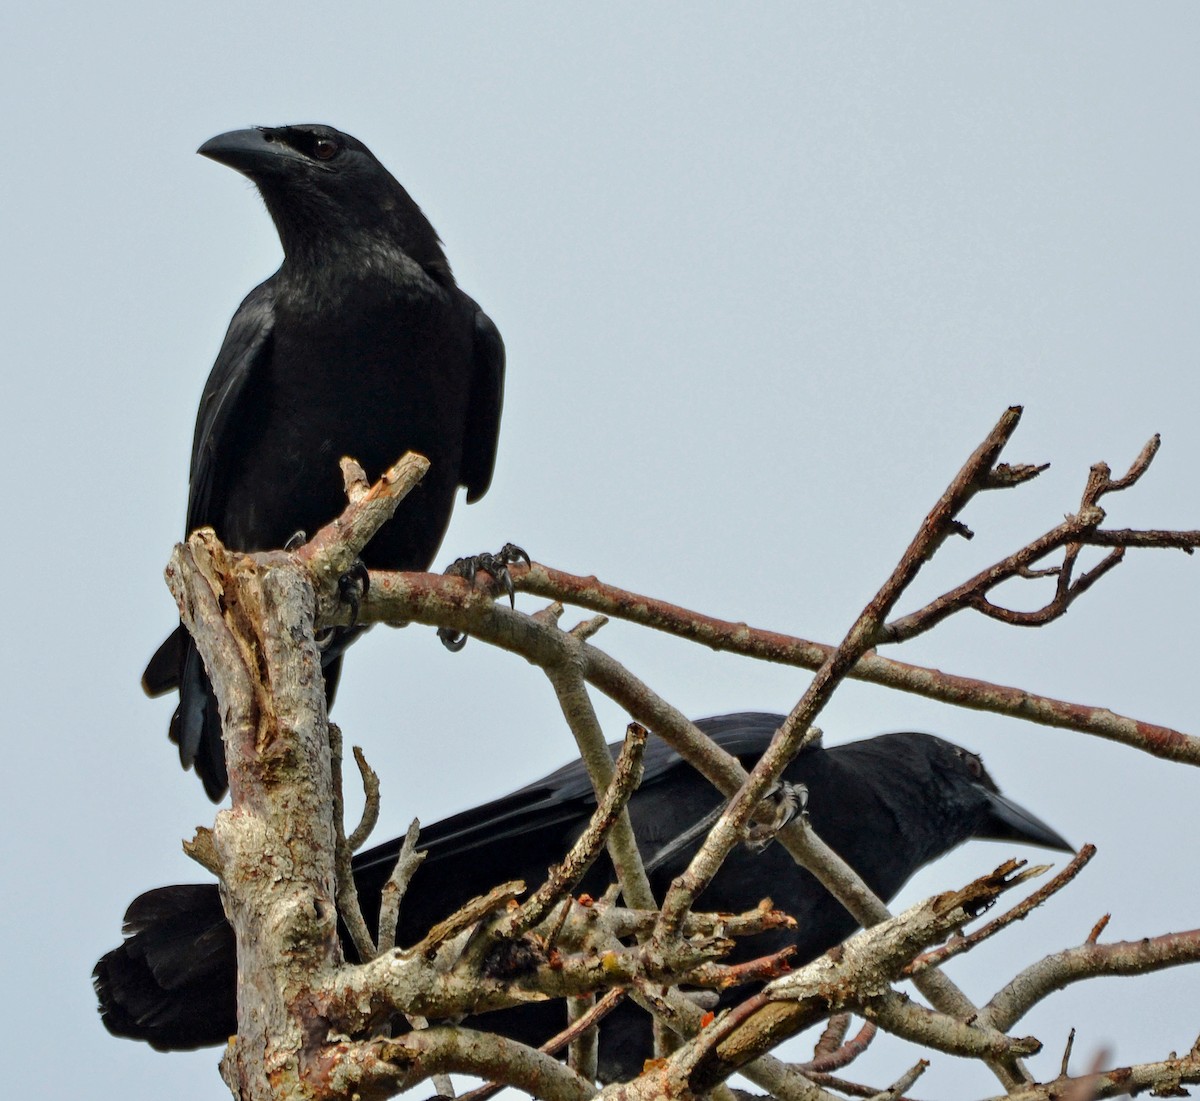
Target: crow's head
326,191
973,799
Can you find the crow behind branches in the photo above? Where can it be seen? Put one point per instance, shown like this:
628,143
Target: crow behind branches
361,344
888,805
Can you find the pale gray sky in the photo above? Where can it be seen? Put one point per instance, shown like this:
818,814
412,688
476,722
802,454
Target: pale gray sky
766,275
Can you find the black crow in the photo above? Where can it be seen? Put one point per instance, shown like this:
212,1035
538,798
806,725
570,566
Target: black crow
361,344
887,805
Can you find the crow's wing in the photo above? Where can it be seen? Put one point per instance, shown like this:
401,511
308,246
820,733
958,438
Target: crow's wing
246,348
483,412
564,800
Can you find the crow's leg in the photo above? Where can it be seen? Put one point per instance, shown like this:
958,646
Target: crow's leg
494,564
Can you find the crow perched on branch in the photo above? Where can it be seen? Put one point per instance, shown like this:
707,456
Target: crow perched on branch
887,805
361,344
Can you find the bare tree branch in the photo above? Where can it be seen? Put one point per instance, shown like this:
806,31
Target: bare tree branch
394,890
1164,1079
627,774
382,1068
739,638
331,552
1018,913
252,621
370,814
577,709
309,1033
347,893
832,1040
1071,965
843,979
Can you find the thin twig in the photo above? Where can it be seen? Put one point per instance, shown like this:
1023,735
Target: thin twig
577,709
1070,536
840,1054
1018,913
1164,1079
370,814
584,1048
1065,1064
832,1037
1098,928
555,1044
407,862
898,1088
627,774
347,893
467,916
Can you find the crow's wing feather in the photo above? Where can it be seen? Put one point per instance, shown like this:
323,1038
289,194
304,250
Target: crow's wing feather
483,413
245,349
565,797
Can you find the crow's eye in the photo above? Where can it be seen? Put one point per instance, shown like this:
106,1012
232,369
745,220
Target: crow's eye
973,763
325,149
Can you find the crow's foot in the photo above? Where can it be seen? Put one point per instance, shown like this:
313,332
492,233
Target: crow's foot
495,564
353,585
780,805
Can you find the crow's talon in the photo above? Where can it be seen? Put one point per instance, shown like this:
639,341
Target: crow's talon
494,564
451,639
353,585
782,803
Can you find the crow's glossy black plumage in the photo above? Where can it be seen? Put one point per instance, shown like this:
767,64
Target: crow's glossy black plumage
361,344
888,805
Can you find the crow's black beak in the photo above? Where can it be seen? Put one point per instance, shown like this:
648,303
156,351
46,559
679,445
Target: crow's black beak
250,151
1006,821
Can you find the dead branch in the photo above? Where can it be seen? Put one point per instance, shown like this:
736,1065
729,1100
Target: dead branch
577,709
738,638
896,1014
447,602
897,1089
370,815
331,552
583,1048
685,1018
601,670
625,922
252,616
797,728
1018,913
587,1022
382,1068
846,978
836,1055
347,893
1071,965
1162,1079
627,774
252,622
831,1039
407,862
